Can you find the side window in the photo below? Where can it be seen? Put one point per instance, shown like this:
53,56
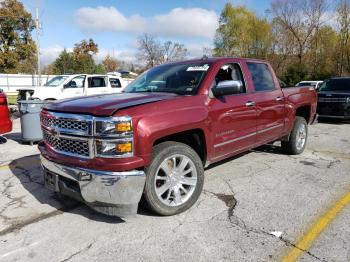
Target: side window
261,77
76,82
230,72
95,82
115,83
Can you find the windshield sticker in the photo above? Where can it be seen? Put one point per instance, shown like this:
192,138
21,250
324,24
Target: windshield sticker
198,68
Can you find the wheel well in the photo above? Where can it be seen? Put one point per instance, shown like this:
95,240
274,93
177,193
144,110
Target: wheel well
304,112
193,138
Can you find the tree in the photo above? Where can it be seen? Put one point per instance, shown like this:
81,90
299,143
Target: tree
64,64
152,52
302,18
110,64
17,48
82,54
79,61
343,17
241,33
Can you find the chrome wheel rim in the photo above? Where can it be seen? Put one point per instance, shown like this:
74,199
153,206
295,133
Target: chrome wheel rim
301,137
175,180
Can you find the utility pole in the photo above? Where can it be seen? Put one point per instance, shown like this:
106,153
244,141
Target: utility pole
38,27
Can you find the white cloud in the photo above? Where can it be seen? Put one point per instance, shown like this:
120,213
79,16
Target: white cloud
179,22
122,55
49,54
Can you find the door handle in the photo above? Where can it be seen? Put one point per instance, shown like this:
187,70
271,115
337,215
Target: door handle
250,103
279,98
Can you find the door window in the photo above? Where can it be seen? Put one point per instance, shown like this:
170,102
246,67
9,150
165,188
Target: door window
95,82
115,83
76,82
261,77
230,72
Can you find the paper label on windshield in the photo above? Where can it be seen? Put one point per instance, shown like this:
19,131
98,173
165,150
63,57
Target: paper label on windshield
198,68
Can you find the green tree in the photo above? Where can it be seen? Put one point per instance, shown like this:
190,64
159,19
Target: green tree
64,64
241,33
17,48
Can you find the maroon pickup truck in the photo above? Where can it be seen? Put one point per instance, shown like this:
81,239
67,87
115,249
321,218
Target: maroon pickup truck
154,140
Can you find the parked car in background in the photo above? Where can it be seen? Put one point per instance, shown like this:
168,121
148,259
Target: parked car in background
69,86
173,120
334,98
315,84
5,119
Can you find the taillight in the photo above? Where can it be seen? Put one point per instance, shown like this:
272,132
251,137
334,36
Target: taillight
3,101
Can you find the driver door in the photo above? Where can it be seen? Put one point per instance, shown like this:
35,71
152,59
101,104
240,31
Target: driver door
233,116
74,88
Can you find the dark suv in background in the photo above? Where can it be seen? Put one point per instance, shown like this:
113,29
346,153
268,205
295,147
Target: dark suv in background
334,98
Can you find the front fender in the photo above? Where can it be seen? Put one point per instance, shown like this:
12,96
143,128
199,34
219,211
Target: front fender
154,127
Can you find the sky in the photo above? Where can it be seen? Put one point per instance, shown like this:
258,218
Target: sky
115,25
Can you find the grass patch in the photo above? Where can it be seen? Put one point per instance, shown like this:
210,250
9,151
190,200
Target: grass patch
12,99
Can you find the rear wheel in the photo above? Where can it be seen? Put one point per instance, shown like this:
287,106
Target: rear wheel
174,179
297,138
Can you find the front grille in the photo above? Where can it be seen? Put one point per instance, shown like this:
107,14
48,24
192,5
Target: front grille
66,124
332,99
78,147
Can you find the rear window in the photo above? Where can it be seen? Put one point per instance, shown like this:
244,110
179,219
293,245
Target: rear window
337,85
261,76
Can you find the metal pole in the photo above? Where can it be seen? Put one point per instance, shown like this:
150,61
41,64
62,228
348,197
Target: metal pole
37,26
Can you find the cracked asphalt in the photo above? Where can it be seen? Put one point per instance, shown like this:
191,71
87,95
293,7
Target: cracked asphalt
254,207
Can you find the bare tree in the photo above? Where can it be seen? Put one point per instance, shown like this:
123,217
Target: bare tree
153,52
302,18
173,51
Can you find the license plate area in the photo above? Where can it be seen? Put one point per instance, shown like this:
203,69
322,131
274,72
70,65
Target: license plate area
51,181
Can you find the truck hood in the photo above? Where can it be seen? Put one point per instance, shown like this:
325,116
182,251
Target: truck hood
106,105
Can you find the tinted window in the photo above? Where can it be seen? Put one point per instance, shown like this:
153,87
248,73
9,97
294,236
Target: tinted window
338,85
261,76
115,82
97,82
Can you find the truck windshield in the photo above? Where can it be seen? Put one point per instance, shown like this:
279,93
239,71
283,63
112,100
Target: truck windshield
56,81
182,79
337,85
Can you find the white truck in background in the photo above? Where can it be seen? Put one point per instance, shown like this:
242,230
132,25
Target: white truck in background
69,86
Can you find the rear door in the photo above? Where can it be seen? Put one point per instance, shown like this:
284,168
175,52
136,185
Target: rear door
269,102
97,85
233,117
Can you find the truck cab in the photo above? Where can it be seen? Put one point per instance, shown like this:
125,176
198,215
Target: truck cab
69,86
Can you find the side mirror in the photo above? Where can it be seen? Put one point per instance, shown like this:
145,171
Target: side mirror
228,87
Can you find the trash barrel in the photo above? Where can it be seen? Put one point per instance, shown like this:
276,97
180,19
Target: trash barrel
30,120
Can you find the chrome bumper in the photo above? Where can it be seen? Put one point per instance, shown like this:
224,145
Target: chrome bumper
111,193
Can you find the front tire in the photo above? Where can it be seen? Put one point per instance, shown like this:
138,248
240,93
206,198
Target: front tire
174,179
297,138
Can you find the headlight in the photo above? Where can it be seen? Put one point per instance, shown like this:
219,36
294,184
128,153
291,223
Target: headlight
114,148
116,126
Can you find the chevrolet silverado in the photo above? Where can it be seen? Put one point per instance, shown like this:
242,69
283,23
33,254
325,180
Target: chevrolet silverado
154,140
